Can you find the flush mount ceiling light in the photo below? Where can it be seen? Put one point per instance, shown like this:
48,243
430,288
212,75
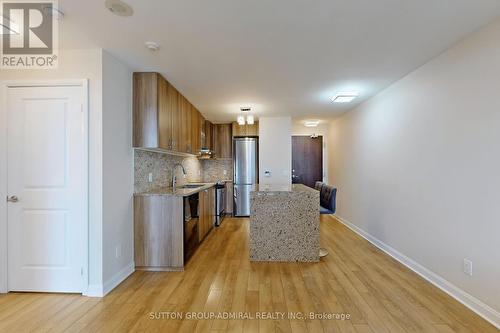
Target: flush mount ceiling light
345,97
119,7
153,46
312,123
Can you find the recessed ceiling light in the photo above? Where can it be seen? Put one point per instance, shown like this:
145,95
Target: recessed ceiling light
311,123
345,97
153,46
119,7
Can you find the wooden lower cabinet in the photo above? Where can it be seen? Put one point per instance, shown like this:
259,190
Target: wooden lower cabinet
159,232
163,241
207,212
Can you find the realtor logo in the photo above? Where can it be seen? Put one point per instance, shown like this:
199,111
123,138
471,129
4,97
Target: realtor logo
29,34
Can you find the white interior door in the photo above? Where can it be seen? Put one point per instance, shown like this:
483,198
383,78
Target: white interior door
46,188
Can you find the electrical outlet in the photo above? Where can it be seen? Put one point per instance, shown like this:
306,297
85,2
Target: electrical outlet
118,251
150,177
199,172
224,172
468,267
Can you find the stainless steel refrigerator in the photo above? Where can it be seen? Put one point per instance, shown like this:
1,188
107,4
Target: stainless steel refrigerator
246,173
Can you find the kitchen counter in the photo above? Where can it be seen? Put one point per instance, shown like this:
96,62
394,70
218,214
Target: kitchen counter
178,192
282,188
284,223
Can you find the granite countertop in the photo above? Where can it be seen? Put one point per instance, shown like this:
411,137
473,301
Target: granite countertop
274,188
178,192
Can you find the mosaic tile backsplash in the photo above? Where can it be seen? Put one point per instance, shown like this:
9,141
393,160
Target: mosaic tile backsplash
161,166
213,170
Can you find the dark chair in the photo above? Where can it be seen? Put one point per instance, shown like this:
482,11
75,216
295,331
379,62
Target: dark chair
328,196
318,186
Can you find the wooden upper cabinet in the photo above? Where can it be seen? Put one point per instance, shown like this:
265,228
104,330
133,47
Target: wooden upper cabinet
195,129
163,118
164,115
145,112
245,130
185,137
175,110
223,140
209,136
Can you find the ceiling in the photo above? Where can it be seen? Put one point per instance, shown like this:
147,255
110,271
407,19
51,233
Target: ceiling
281,57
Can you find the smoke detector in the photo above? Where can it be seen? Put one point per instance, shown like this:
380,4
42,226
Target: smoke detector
119,7
153,46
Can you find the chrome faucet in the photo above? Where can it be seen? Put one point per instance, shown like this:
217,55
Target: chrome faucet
174,178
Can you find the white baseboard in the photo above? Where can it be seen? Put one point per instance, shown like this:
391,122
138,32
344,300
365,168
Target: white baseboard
101,290
482,309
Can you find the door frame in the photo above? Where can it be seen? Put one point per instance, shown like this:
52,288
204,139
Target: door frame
4,86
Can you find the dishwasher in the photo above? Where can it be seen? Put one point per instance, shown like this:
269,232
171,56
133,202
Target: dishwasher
191,218
220,202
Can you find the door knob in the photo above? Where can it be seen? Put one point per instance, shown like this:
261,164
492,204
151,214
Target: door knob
12,198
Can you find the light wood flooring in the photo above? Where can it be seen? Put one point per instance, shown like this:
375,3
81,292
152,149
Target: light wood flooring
379,294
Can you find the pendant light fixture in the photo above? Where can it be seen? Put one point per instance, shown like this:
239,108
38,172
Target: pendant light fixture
249,118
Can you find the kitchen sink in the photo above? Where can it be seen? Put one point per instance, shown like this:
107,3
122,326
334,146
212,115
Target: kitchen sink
191,186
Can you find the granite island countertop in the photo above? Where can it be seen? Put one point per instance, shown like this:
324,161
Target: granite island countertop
179,191
285,188
284,223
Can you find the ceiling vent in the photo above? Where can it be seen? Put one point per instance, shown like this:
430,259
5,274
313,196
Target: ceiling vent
246,109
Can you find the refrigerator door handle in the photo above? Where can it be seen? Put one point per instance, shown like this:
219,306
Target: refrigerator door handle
235,192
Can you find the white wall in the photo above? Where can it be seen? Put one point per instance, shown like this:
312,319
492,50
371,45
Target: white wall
417,167
82,64
298,128
110,159
275,150
118,173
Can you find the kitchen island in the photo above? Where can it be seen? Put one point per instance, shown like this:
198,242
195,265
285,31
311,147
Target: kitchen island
284,223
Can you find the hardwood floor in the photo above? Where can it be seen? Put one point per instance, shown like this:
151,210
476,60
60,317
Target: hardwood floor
379,294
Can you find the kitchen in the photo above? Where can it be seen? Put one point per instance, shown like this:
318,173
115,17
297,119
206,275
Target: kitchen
190,173
250,158
184,163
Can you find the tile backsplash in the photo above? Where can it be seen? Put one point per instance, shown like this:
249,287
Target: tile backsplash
215,170
161,165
